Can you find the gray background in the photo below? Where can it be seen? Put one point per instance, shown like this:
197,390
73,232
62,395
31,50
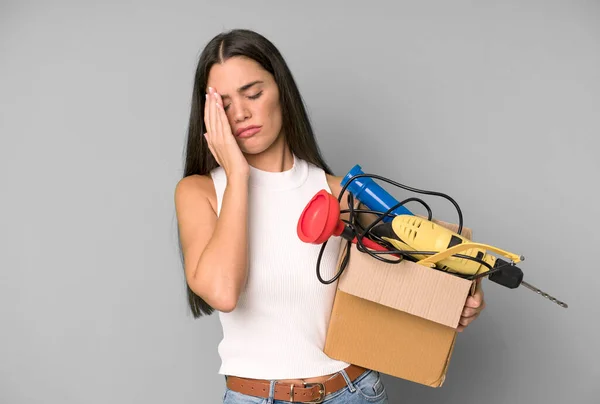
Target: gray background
494,103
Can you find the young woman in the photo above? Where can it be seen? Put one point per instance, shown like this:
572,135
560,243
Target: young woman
252,164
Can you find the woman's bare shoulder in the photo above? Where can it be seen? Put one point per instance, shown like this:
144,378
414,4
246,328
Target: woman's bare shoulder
335,184
197,186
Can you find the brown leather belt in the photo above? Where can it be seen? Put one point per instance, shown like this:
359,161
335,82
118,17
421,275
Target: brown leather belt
297,393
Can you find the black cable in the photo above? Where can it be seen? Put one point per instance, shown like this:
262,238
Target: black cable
420,191
344,263
408,255
491,271
366,232
388,212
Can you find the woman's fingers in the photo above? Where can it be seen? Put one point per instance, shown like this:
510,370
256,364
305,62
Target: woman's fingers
208,135
206,116
217,118
222,121
218,123
210,105
213,127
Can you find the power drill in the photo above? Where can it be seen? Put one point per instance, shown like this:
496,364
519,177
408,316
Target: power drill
413,235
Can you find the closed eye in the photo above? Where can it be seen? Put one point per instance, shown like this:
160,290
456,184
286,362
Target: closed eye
252,97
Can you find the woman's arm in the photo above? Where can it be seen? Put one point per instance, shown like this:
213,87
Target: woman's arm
215,248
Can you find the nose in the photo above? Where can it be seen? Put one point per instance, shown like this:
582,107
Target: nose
240,113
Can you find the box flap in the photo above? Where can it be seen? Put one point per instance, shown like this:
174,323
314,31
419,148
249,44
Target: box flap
415,289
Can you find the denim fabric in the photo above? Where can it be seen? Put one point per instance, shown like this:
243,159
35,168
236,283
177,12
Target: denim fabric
367,388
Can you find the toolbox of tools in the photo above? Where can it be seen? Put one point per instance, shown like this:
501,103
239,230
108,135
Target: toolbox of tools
403,279
399,319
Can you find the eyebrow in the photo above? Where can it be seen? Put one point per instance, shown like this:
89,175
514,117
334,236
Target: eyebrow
243,88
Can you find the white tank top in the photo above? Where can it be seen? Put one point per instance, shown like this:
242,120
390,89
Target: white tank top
278,328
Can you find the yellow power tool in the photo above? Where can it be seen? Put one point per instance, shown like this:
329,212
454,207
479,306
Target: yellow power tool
435,246
414,233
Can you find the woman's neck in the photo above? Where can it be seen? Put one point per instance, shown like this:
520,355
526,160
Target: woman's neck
277,158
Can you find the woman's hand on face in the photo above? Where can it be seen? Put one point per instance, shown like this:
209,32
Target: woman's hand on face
220,139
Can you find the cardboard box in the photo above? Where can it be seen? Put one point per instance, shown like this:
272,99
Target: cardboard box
399,319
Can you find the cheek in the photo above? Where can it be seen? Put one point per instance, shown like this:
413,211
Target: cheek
273,113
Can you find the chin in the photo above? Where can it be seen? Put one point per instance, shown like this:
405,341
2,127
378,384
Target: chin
257,145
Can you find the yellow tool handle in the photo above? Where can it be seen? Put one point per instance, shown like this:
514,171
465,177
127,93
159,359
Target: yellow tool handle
433,259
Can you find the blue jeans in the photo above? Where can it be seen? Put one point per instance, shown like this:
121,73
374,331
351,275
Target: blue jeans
366,388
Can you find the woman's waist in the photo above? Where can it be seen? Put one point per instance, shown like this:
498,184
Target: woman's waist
317,379
298,364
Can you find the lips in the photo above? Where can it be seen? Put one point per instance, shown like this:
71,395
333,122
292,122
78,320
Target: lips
247,131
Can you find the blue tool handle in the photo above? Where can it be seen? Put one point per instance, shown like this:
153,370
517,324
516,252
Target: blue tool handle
370,194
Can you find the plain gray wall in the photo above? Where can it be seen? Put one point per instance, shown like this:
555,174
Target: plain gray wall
495,103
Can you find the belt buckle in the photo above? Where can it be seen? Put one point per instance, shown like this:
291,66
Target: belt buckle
321,392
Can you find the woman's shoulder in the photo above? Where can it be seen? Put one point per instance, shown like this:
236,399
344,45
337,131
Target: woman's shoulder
196,181
197,186
335,184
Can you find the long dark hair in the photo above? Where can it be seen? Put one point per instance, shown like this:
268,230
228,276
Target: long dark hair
295,122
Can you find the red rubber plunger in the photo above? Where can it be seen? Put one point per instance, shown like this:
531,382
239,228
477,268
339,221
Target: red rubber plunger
320,219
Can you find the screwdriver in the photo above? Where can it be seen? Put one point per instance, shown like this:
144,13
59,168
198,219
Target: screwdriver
511,276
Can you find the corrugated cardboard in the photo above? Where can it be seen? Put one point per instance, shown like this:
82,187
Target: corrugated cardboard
399,319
